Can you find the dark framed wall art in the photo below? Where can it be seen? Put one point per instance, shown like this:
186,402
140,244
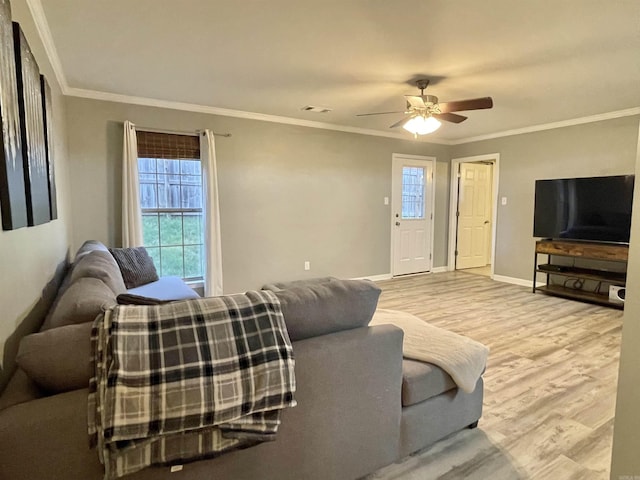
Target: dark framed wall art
47,111
36,178
13,200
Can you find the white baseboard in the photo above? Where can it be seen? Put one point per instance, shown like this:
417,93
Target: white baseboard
375,278
388,276
497,278
516,281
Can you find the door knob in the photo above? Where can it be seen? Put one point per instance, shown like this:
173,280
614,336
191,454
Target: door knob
397,224
486,221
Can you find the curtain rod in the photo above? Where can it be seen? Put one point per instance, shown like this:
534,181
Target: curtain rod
176,132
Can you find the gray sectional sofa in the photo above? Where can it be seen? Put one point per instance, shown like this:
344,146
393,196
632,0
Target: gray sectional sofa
360,405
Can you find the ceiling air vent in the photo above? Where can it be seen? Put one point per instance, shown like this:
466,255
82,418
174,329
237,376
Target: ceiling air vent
311,108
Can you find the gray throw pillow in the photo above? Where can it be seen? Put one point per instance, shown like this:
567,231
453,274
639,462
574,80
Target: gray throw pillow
322,308
136,266
58,360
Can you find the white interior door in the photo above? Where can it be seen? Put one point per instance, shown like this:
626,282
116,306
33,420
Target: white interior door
412,214
474,215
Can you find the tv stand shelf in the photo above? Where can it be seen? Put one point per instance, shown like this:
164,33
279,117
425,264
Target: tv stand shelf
593,251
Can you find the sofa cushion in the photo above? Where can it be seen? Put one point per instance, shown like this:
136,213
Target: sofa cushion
88,247
165,288
421,381
82,302
136,266
297,283
318,309
102,266
19,389
57,360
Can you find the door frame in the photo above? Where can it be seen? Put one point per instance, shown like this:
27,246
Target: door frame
395,158
453,205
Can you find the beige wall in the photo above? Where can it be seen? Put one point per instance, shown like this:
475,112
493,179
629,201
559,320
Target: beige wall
626,440
592,149
31,259
287,193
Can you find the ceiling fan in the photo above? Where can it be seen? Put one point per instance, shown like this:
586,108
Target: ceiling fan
425,112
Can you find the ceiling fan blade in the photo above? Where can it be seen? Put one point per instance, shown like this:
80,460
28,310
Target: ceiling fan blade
415,101
401,122
463,105
450,117
376,113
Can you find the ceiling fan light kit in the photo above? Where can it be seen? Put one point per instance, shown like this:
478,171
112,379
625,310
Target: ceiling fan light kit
421,125
426,112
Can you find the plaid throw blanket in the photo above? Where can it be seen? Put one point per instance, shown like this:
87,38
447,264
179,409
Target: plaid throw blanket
188,380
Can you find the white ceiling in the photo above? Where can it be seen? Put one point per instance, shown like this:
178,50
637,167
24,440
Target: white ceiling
542,61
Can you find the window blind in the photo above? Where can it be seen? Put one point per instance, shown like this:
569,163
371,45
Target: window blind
167,145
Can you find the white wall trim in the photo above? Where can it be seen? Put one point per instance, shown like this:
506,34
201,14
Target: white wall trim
516,281
550,126
453,204
375,278
191,107
40,19
440,269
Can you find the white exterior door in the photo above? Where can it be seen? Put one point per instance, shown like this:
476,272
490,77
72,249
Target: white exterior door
474,215
412,214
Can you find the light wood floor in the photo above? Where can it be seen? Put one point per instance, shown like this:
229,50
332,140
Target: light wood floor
550,382
486,270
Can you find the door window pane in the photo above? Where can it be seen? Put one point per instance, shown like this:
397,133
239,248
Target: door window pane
412,192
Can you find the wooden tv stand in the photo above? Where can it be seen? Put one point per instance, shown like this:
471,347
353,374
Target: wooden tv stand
579,275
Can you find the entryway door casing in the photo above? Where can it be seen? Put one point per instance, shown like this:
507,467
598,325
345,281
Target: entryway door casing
492,161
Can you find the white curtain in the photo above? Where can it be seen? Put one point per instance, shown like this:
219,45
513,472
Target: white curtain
131,212
212,239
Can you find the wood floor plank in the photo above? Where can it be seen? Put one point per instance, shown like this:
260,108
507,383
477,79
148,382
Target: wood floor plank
550,381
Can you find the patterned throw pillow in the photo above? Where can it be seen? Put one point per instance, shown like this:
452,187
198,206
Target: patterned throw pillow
136,266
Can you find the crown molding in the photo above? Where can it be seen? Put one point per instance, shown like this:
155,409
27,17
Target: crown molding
192,107
40,20
550,126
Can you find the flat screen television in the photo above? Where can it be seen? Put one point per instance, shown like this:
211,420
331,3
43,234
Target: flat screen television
596,209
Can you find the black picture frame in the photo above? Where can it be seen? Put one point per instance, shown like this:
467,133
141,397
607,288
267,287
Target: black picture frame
47,112
34,155
13,201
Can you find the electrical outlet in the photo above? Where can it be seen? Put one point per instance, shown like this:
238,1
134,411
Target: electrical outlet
503,200
386,200
307,265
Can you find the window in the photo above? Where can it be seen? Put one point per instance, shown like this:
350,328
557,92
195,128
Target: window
412,192
170,176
